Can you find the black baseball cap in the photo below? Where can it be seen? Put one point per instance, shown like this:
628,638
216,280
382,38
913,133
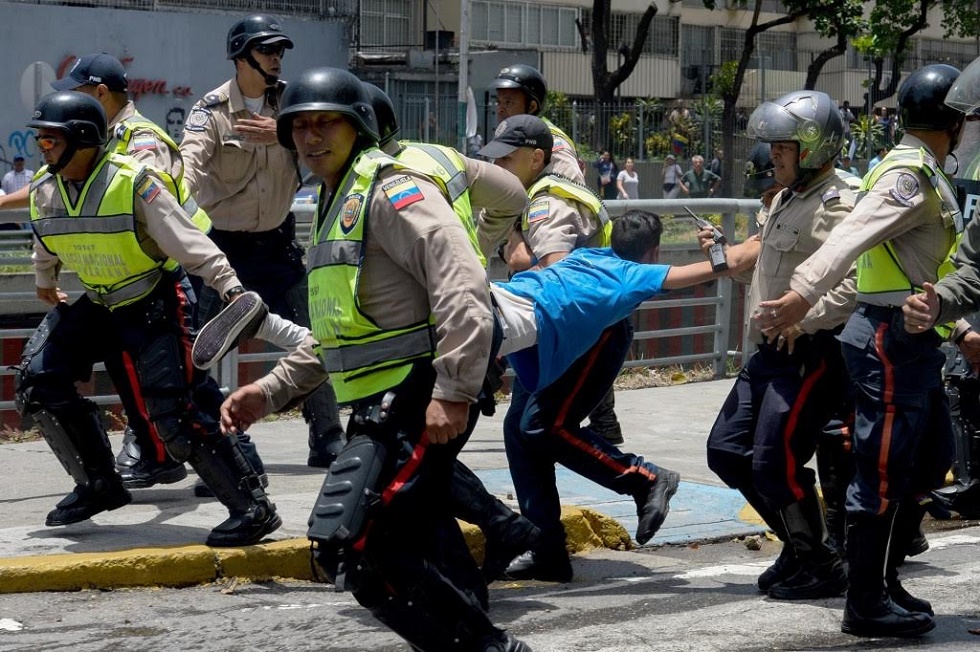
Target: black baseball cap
94,69
518,131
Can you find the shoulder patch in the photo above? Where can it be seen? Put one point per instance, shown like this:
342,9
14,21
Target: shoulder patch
147,188
121,131
560,144
198,119
402,192
350,212
213,99
906,187
539,210
143,140
830,195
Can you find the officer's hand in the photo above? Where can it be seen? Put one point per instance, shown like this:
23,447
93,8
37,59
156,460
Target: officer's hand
445,420
921,310
52,296
257,129
778,315
788,338
970,347
242,408
518,255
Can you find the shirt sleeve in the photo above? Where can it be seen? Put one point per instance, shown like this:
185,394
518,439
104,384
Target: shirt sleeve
294,376
554,225
147,148
502,197
959,292
169,227
198,145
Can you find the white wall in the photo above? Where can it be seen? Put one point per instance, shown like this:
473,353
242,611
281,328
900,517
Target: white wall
178,57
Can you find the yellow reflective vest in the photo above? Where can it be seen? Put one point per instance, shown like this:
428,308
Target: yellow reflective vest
362,358
96,235
121,137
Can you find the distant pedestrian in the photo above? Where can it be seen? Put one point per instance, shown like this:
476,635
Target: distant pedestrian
716,162
628,182
672,177
699,182
608,171
17,178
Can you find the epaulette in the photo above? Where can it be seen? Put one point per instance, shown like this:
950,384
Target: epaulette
213,99
830,194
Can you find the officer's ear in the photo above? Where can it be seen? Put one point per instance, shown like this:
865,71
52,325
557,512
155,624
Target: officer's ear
537,159
532,106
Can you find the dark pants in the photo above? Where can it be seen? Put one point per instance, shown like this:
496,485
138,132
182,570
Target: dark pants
151,340
544,428
768,426
412,568
903,438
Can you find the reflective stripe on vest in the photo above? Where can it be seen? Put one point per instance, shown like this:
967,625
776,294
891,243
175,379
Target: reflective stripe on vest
362,358
562,187
448,171
96,237
119,144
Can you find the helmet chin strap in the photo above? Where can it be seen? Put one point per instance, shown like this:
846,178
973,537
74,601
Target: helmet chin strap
66,156
270,80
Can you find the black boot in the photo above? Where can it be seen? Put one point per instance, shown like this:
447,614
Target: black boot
137,467
835,465
820,573
905,531
327,437
219,461
548,561
78,439
251,453
869,610
507,533
785,565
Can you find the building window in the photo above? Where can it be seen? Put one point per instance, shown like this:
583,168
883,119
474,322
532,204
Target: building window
773,50
389,23
661,39
523,24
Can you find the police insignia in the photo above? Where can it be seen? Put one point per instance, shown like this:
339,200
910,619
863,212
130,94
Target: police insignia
350,212
538,211
197,119
560,144
906,187
148,189
402,192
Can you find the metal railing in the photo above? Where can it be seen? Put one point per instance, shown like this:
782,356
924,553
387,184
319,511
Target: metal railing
226,373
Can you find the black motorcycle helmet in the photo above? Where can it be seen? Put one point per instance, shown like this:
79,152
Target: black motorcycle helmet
525,78
255,30
384,111
78,116
921,99
326,89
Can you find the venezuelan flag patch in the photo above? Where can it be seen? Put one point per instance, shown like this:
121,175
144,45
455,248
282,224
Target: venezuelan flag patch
402,192
148,189
538,211
143,141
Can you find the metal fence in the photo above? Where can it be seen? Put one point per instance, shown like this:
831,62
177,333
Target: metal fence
720,302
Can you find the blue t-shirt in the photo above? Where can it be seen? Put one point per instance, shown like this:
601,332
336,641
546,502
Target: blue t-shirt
574,301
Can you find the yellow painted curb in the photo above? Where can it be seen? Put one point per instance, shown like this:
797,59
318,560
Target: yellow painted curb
187,565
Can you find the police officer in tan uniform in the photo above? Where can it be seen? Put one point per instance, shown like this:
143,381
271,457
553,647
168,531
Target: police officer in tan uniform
118,225
246,181
767,430
416,292
902,232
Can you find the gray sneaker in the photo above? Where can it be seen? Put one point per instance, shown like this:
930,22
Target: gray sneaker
237,322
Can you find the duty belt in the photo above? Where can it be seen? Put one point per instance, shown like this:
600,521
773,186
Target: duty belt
397,347
134,290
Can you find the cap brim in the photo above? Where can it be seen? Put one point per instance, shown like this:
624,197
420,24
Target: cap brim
496,149
66,84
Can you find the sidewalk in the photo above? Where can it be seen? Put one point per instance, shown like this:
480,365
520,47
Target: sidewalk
158,539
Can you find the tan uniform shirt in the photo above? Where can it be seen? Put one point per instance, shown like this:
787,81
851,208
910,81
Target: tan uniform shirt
418,261
560,225
796,225
901,207
164,230
242,186
145,146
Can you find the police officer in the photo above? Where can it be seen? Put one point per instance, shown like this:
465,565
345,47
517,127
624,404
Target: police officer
118,225
403,322
767,429
143,460
246,181
521,89
902,233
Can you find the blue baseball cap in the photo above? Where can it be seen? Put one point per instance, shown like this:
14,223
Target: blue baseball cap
94,69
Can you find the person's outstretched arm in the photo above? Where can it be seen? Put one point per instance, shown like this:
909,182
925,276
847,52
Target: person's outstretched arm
740,257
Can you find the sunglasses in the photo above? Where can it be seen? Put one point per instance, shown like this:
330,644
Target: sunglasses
270,49
45,143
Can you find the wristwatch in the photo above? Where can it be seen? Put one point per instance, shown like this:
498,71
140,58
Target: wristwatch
234,292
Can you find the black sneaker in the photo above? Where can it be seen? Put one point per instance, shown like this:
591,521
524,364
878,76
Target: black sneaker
237,322
88,500
246,529
653,504
501,550
555,567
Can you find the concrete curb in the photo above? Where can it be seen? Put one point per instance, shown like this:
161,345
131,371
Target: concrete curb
196,564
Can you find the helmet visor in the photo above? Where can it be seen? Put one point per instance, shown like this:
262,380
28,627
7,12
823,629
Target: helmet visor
965,94
772,123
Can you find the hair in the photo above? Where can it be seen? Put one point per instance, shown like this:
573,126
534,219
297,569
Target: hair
697,158
635,233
